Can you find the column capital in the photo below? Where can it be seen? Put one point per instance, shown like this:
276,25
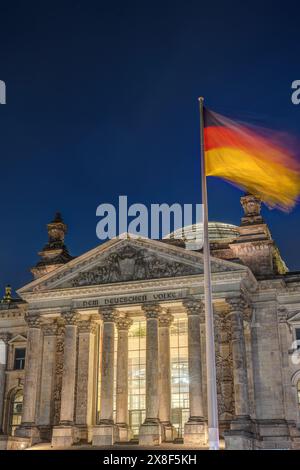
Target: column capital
50,329
193,306
123,323
33,320
152,310
282,314
108,314
5,336
86,326
70,317
165,319
236,304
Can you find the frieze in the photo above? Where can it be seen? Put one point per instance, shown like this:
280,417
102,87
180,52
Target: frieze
130,299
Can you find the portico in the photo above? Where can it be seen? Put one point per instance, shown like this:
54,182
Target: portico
132,365
114,344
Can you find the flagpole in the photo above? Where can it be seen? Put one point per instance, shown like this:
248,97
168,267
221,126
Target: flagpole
212,405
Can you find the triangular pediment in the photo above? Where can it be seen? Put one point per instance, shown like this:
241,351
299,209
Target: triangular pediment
294,317
18,339
127,260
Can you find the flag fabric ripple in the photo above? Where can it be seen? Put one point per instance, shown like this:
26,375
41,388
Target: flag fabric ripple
255,159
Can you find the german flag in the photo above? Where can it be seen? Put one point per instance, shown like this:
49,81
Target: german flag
255,159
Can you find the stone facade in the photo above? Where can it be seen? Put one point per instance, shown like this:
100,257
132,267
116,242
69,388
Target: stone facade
75,321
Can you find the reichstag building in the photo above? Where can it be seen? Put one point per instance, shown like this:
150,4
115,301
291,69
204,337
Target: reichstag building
109,346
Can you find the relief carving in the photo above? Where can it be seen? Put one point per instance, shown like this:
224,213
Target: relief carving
58,375
225,388
130,264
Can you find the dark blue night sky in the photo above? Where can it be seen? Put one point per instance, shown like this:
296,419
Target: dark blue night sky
102,101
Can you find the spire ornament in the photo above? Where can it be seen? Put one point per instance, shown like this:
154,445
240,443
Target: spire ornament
55,253
7,298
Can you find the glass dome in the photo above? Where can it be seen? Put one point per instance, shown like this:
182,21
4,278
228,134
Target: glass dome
218,232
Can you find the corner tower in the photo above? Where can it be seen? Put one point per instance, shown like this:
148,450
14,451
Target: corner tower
255,246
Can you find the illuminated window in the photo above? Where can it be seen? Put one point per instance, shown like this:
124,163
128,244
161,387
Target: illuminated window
179,375
137,375
16,411
20,358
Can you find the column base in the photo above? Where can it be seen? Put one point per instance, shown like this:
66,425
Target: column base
104,435
168,432
14,443
3,441
150,433
45,433
123,433
64,436
272,434
238,440
30,432
195,432
241,423
84,432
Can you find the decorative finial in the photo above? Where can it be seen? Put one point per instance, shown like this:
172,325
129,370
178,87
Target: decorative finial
57,218
252,208
55,253
56,231
7,297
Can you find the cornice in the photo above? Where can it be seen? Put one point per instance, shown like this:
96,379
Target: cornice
90,259
218,279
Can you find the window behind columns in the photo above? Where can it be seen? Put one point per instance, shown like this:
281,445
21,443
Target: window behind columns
15,412
137,375
19,360
179,374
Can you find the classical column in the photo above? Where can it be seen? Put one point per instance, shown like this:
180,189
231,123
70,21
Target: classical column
123,324
150,430
240,378
105,432
65,433
28,426
195,430
165,320
85,378
4,337
47,378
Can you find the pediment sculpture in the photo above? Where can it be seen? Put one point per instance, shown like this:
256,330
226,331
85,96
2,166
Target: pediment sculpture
131,264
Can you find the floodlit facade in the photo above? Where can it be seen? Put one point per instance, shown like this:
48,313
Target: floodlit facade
110,346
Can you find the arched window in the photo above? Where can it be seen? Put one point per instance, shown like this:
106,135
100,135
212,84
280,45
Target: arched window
16,410
298,392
